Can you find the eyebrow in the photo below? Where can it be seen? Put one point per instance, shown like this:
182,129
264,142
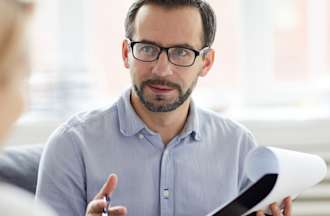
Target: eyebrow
184,45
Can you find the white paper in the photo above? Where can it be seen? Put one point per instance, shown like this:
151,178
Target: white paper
295,171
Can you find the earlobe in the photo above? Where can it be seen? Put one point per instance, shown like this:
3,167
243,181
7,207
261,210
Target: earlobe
208,61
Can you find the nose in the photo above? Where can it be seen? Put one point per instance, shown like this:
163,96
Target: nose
162,66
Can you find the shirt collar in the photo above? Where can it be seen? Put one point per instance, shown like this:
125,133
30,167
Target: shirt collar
130,123
192,127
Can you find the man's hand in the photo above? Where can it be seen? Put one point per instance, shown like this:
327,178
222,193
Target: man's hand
95,207
276,210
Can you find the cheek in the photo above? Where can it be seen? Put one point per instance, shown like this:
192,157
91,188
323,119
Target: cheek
140,71
12,105
188,77
21,100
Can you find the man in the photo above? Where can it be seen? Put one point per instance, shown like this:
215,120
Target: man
171,157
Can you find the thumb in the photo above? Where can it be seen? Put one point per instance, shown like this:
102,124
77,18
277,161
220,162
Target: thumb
108,187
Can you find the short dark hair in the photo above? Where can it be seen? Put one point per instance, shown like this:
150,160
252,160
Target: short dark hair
206,12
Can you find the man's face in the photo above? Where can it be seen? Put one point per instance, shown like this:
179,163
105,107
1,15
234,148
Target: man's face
160,85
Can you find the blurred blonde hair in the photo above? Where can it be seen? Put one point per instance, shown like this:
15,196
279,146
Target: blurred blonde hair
13,15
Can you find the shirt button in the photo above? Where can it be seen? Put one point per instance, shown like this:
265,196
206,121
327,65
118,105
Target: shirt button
166,193
141,136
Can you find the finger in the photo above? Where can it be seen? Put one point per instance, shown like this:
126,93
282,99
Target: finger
260,213
275,209
108,187
118,211
96,206
287,206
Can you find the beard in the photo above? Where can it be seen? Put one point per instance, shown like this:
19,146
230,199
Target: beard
162,105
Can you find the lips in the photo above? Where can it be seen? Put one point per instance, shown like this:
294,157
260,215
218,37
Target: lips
160,88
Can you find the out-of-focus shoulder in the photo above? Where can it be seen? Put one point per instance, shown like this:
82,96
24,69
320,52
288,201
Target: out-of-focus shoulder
15,201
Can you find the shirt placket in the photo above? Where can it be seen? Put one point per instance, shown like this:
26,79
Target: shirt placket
166,184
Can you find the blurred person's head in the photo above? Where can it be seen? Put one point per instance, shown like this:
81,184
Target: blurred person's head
14,64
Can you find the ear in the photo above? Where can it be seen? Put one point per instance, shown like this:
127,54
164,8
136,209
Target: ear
125,53
208,60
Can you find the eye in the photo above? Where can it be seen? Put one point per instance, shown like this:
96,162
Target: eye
148,49
181,52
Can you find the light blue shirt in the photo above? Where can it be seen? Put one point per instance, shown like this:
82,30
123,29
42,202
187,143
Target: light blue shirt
200,169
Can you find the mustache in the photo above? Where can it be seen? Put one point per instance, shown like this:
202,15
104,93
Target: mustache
160,82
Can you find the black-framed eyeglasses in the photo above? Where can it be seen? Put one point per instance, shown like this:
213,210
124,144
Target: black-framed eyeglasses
177,55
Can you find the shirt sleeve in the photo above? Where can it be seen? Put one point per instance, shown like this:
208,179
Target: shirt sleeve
61,178
248,143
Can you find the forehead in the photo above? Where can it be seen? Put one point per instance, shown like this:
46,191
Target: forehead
182,25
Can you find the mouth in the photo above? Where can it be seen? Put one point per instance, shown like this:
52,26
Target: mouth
160,89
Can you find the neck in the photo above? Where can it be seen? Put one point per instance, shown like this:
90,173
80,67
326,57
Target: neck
167,124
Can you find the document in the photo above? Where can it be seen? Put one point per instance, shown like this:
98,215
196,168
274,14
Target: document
276,173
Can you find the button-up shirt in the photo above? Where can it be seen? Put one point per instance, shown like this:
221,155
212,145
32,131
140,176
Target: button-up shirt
198,170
